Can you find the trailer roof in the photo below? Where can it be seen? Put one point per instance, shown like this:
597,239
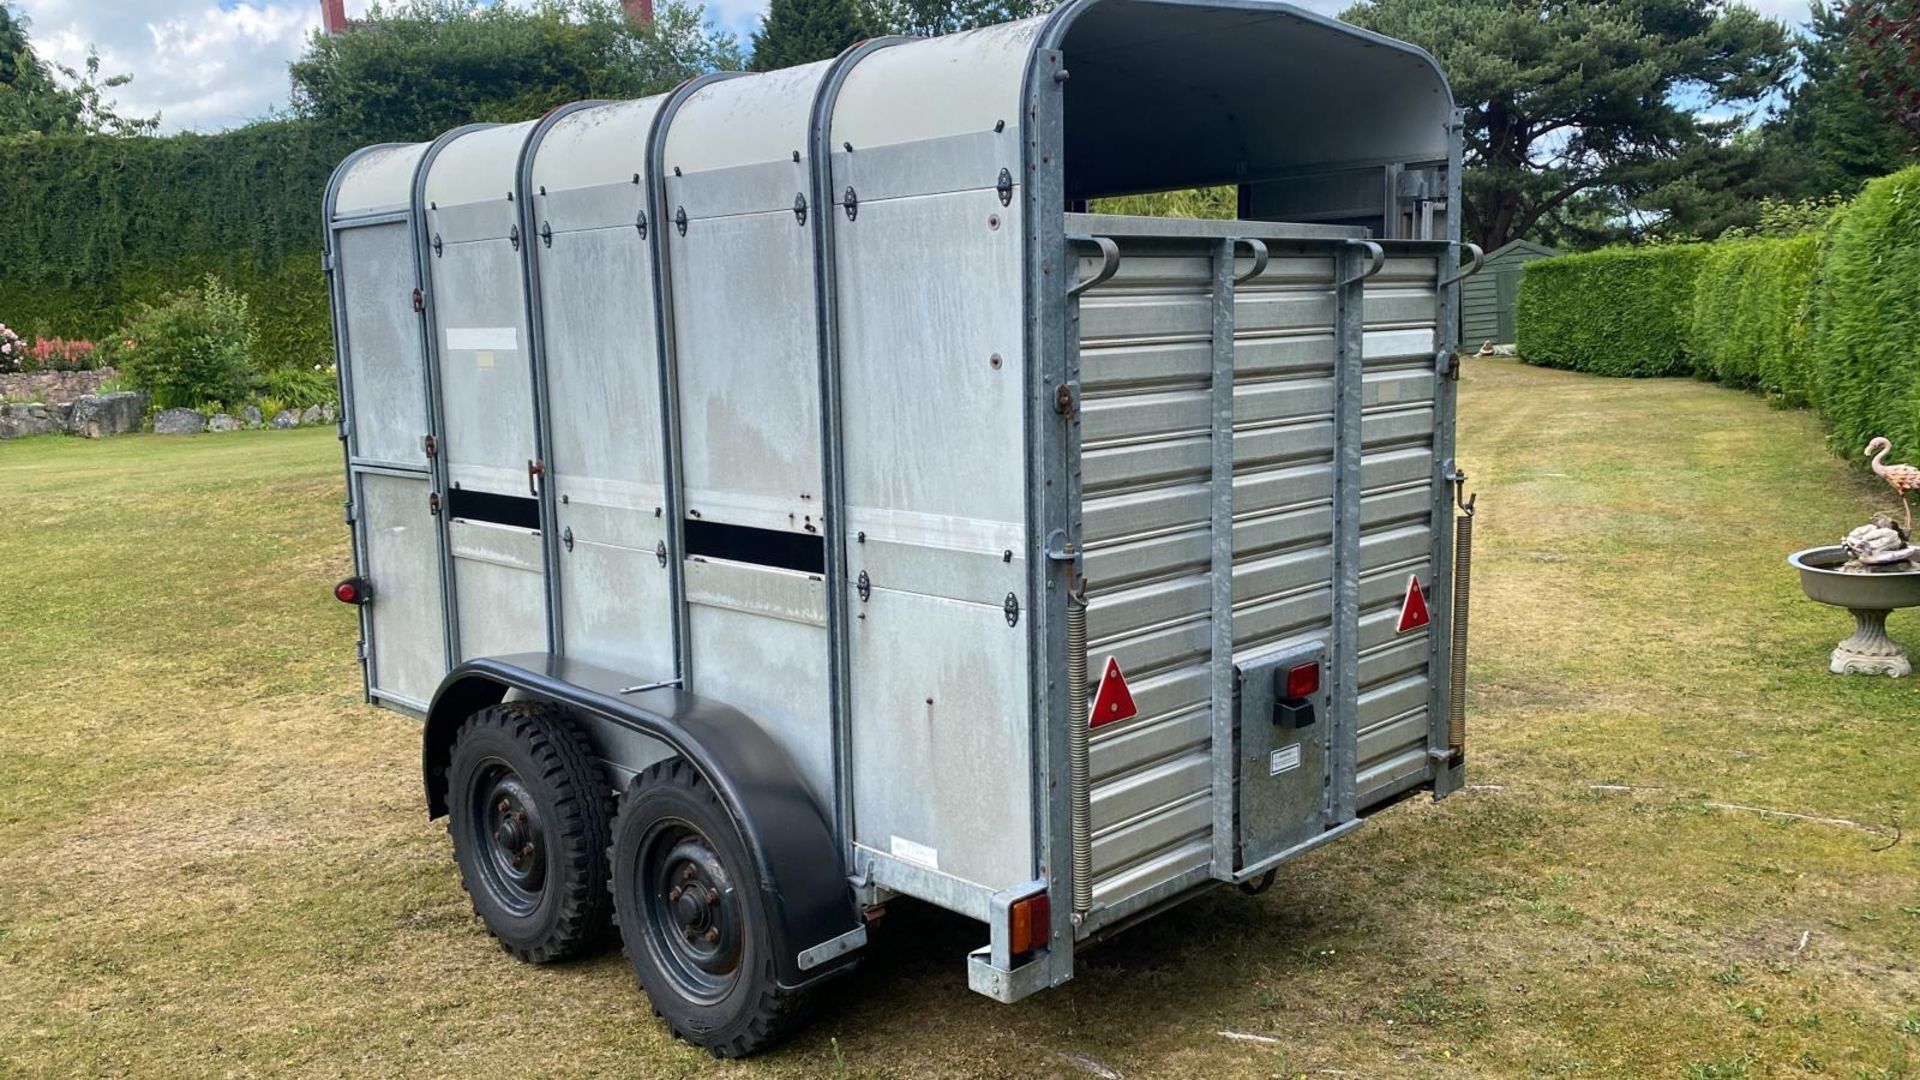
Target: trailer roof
1161,94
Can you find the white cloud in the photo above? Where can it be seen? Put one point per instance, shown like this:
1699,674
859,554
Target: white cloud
212,64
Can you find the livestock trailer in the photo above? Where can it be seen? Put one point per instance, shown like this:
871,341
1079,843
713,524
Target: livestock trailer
781,495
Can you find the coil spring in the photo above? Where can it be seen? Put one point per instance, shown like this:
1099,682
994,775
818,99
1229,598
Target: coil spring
1457,674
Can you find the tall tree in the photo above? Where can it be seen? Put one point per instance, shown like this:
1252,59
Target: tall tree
926,18
802,31
1833,135
34,101
1888,35
424,66
1565,99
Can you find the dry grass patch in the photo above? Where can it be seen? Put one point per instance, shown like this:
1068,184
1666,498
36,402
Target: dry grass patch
216,862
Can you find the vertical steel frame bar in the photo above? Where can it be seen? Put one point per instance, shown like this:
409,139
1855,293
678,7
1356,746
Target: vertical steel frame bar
1349,330
1448,776
1225,759
1053,489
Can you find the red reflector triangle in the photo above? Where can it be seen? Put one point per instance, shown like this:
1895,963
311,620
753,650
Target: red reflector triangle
1413,610
1112,702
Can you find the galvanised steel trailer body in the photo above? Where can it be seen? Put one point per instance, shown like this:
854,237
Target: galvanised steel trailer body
793,454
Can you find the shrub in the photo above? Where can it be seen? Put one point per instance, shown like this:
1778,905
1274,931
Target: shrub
1866,328
192,347
1751,304
295,388
13,351
1617,311
61,354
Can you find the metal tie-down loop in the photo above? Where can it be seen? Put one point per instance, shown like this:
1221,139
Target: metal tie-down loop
1259,259
1109,262
1479,260
1376,258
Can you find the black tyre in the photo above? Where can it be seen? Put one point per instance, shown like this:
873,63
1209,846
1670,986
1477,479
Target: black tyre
692,917
528,812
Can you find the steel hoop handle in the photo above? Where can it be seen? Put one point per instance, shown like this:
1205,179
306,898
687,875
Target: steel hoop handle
1109,262
1259,258
1376,258
1479,260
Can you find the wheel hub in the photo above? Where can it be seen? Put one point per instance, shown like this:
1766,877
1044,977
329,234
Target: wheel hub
695,921
513,840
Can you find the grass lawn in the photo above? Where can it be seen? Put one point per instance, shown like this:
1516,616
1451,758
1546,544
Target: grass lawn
213,858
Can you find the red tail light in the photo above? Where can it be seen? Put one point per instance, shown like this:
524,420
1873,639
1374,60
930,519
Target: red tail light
1303,680
1029,922
352,591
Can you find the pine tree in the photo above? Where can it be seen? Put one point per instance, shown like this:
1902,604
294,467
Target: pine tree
801,31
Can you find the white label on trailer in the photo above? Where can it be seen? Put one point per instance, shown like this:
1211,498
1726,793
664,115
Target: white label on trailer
1283,759
919,854
477,338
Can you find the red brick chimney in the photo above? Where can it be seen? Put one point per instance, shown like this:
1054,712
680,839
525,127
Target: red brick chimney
640,11
333,15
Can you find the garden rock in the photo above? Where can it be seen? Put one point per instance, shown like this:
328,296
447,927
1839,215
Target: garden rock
222,422
286,418
34,418
179,422
311,415
96,416
326,413
251,414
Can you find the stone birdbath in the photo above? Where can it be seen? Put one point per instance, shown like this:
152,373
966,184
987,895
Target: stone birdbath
1871,574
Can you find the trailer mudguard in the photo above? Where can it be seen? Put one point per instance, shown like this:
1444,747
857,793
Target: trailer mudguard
803,876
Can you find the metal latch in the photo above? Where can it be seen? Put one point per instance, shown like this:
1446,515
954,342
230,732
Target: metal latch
535,470
419,302
1446,364
430,445
433,502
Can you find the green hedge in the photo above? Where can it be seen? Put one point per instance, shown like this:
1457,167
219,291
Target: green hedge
1865,337
1751,308
90,225
1829,319
1618,311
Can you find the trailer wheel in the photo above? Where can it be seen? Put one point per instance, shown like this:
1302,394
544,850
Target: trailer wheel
528,812
691,915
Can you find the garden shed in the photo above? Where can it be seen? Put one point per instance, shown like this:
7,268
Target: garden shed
1487,299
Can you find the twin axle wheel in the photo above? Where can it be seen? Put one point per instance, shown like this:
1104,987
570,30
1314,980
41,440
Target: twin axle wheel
549,866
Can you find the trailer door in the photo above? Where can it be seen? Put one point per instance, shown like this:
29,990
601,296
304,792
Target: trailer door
477,309
383,370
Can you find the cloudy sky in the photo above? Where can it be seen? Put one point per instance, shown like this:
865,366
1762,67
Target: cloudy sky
211,64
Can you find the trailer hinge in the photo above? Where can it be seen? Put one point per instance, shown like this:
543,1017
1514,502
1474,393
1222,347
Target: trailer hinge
680,219
347,511
546,234
419,302
433,502
800,208
439,248
1004,186
327,262
660,552
513,236
1012,608
360,650
640,222
864,586
1446,364
430,446
850,202
566,538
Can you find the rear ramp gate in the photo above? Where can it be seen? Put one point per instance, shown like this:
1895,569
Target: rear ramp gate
1257,467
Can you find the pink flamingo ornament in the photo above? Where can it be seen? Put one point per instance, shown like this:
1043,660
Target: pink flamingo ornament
1902,478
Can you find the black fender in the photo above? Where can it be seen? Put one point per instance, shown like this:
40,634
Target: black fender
802,872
